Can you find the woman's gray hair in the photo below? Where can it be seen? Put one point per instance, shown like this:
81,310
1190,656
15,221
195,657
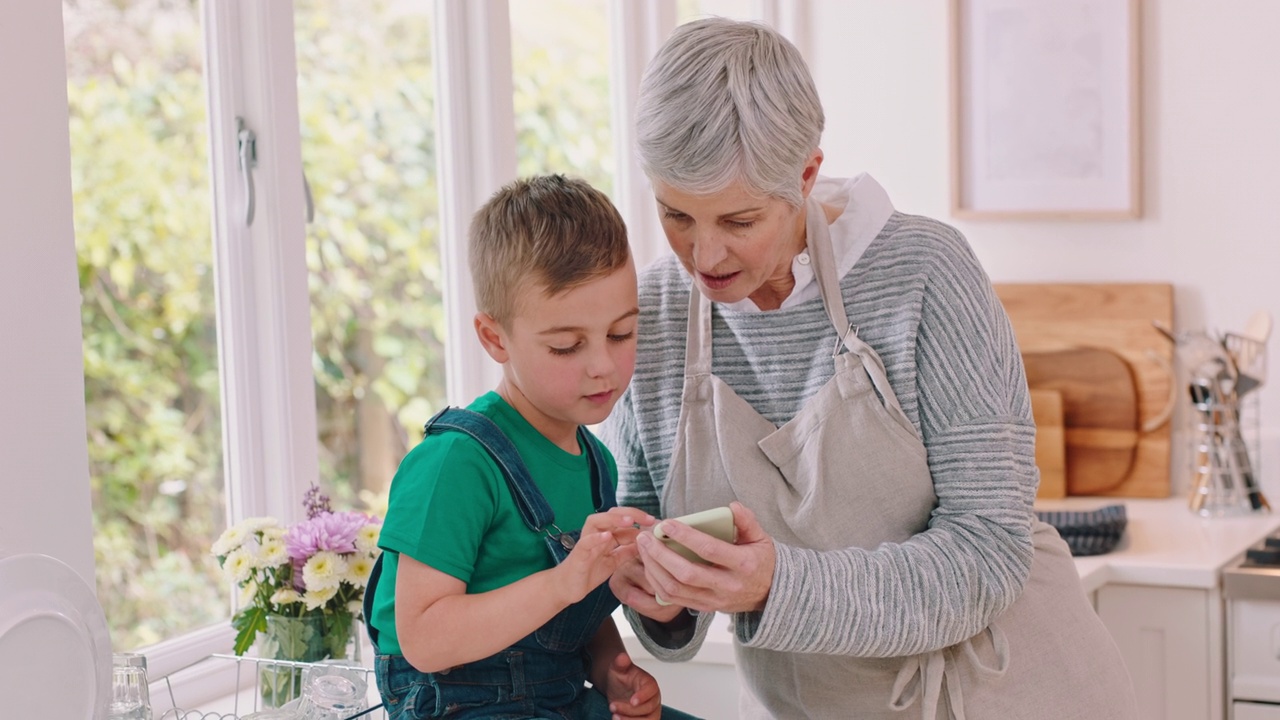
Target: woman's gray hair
727,101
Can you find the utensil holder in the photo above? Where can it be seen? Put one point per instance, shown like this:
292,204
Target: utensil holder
1224,457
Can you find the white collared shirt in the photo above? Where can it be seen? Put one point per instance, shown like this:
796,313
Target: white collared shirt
865,210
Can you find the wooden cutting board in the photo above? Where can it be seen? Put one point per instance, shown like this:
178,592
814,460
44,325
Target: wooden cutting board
1046,406
1048,317
1099,413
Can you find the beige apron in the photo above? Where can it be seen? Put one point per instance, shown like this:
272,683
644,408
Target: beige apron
849,470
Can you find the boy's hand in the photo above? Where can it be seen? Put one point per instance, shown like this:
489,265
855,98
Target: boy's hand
631,692
607,540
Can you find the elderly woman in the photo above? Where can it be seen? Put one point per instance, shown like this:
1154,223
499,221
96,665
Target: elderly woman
843,376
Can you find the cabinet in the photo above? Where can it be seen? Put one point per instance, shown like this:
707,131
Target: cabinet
1171,639
1253,711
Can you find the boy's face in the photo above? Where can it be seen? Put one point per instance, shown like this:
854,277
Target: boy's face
568,358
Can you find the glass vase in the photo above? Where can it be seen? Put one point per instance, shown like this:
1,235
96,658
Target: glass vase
306,639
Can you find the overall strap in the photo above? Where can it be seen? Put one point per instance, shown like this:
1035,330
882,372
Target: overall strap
533,507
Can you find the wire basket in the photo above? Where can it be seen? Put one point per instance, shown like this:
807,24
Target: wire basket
255,669
1225,470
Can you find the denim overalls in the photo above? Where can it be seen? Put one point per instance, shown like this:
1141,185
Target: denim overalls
543,674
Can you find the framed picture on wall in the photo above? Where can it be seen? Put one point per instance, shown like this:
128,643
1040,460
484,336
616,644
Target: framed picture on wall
1045,109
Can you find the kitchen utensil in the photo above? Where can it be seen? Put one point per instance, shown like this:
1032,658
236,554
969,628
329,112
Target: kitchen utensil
1048,317
1051,453
1250,359
1248,350
1236,450
1259,326
1099,410
1223,478
1216,482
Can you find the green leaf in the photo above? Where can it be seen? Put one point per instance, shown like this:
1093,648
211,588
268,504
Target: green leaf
248,623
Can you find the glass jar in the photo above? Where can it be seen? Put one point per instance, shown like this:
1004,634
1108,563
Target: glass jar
130,695
332,691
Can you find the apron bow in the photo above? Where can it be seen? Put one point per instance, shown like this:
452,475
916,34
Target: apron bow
923,676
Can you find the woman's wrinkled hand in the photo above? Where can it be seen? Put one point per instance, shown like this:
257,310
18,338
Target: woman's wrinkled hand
631,587
737,580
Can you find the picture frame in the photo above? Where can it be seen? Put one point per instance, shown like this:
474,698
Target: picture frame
1046,109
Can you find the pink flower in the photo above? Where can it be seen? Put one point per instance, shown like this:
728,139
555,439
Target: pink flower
335,532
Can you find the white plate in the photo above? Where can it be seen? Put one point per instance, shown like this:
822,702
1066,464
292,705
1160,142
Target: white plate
55,650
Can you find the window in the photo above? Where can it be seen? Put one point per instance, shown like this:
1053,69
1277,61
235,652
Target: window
560,61
687,10
142,218
366,99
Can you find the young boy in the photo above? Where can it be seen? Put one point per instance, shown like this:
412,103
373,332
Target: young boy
485,605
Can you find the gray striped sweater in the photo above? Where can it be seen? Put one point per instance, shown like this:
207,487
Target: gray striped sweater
920,298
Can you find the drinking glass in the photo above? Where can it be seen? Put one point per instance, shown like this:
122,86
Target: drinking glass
130,697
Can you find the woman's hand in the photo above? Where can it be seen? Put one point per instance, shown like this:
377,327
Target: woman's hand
606,541
632,589
738,579
631,691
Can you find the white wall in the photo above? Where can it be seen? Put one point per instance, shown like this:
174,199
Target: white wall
1211,145
44,466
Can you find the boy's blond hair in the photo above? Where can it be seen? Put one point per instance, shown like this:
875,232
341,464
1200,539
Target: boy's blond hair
548,230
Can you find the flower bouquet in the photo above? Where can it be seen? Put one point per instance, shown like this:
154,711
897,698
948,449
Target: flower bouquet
301,587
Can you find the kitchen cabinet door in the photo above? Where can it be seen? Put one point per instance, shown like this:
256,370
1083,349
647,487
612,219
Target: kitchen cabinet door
1164,636
1256,711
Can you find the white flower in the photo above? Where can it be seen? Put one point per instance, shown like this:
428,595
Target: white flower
325,570
247,592
231,538
272,553
252,525
239,565
355,607
358,570
285,596
273,533
316,598
367,537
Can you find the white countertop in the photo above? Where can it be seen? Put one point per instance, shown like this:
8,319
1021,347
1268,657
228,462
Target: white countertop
1164,544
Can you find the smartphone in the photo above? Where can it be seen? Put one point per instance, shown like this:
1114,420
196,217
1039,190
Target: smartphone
717,522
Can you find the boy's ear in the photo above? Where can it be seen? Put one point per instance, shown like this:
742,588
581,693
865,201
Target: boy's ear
492,337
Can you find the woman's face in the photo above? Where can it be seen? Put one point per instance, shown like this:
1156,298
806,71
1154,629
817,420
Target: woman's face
734,243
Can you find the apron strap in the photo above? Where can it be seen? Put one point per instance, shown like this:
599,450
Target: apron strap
818,239
697,350
923,677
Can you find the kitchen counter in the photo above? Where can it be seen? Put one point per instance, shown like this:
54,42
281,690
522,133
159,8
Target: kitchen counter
1165,544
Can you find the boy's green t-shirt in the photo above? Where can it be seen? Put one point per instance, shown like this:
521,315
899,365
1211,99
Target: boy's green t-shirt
450,508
